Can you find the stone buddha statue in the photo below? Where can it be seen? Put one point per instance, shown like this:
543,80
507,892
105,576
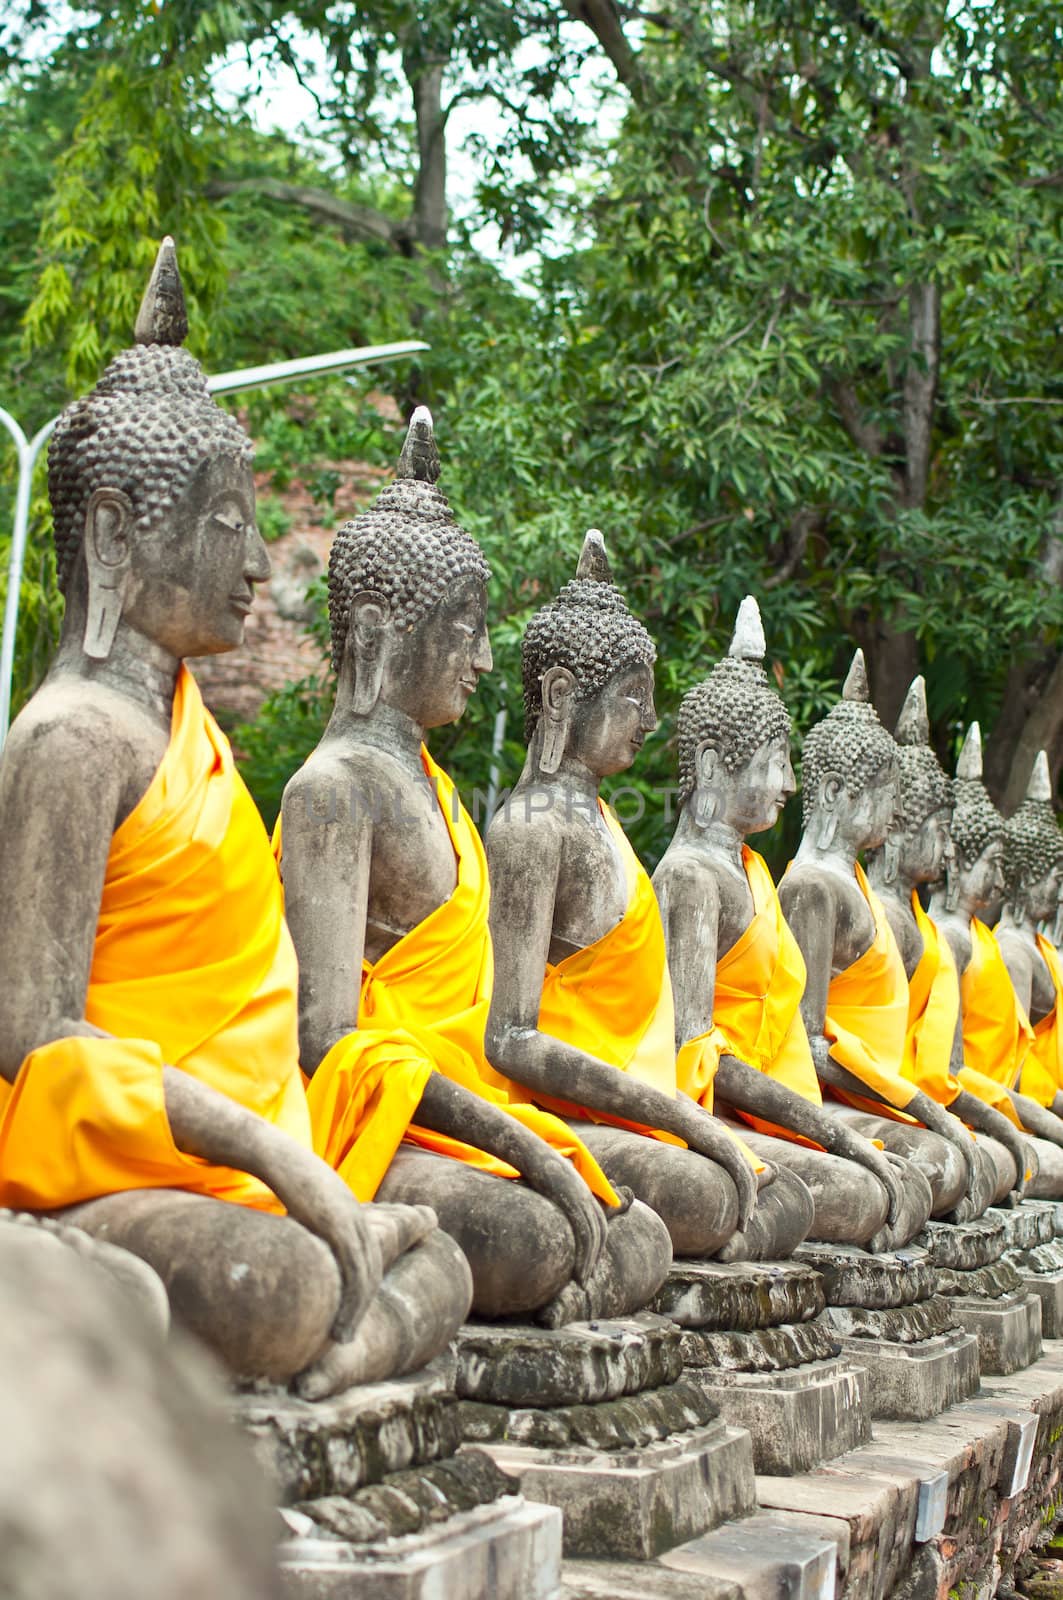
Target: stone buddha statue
996,1031
386,894
149,1082
1033,866
734,963
856,996
582,1014
914,854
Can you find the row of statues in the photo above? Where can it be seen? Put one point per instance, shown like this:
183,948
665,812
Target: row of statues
339,1092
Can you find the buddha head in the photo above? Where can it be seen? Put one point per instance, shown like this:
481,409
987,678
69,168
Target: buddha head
1033,851
849,773
976,865
407,593
734,738
917,844
587,669
153,497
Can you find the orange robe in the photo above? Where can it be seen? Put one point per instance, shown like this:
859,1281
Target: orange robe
423,1007
757,996
193,967
613,1000
1042,1070
867,1017
996,1033
933,1011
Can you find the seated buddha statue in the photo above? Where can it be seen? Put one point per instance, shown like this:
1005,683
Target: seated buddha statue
913,855
996,1031
582,1013
386,893
149,1079
736,968
855,1004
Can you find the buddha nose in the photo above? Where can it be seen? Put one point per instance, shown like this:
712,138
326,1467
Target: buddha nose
483,659
789,781
257,565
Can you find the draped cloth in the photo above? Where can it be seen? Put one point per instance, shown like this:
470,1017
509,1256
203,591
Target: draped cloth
867,1017
192,966
759,984
996,1033
423,1006
1041,1075
613,1000
933,1012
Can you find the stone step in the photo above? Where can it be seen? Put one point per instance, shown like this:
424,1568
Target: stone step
1008,1330
641,1580
518,1365
852,1277
796,1419
1026,1225
508,1551
762,1350
636,1504
1046,1284
739,1296
964,1245
766,1558
917,1380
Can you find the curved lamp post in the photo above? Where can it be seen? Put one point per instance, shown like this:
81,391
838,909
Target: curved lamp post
221,383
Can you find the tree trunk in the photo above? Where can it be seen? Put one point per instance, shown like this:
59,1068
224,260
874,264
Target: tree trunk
1031,719
425,77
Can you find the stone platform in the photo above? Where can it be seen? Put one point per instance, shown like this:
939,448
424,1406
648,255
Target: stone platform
753,1338
886,1315
985,1292
1034,1248
600,1420
375,1502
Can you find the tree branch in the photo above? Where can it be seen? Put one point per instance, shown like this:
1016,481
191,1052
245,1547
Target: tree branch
920,387
353,220
864,434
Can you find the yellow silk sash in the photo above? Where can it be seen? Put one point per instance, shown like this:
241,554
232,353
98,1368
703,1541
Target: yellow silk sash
192,966
424,1006
996,1033
933,1011
867,1015
1042,1069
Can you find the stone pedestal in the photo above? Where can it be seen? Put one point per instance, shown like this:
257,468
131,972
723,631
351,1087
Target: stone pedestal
752,1338
376,1504
600,1420
986,1293
1034,1248
887,1316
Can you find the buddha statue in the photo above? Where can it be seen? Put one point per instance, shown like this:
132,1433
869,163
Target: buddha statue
996,1031
582,1014
1033,870
735,965
913,855
386,893
856,995
149,1081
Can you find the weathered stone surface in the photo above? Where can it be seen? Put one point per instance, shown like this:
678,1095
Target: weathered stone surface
508,1551
581,1363
1026,1225
761,1351
1048,1287
637,1504
916,1380
1008,1330
739,1296
795,1419
407,1502
766,1558
622,1424
328,1447
996,1281
640,1580
852,1277
904,1324
964,1245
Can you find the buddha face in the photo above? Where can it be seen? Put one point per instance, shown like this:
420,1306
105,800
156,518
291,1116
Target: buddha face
434,667
608,730
191,584
925,848
751,799
1041,897
983,880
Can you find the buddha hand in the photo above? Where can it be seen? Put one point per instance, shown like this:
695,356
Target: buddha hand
556,1179
709,1138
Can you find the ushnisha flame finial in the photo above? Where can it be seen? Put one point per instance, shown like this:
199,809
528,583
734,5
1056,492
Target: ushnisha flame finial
593,561
855,686
747,641
913,724
162,318
1040,784
419,458
969,764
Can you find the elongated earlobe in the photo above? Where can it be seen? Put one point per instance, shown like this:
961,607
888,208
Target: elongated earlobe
366,650
108,520
558,694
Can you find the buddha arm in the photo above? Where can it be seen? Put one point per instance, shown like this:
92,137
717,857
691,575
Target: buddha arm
47,936
327,868
810,909
691,930
1036,1120
524,860
984,1119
